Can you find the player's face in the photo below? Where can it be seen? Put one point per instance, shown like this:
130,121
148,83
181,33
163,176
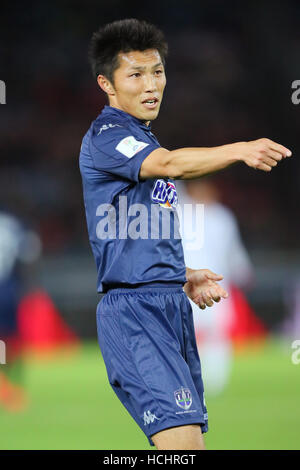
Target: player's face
139,83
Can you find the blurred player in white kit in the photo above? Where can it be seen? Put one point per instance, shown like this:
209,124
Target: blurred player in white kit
220,247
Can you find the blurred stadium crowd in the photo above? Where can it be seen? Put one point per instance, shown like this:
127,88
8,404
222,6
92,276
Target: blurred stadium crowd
229,72
229,78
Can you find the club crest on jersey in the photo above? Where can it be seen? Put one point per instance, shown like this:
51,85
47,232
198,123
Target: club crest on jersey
183,398
164,193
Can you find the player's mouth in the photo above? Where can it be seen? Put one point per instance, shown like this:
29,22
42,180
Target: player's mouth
150,103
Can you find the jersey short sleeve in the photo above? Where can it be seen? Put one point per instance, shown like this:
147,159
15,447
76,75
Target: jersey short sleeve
120,151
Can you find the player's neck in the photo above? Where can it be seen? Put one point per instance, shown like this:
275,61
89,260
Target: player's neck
114,105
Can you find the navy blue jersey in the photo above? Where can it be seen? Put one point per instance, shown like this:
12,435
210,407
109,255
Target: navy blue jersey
133,224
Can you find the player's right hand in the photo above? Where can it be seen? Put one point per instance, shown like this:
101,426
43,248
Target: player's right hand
262,154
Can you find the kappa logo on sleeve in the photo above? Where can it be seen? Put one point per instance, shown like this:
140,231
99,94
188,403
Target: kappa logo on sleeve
107,126
129,146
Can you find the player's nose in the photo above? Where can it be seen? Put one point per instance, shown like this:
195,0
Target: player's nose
150,84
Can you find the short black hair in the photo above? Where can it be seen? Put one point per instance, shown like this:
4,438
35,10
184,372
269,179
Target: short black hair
123,36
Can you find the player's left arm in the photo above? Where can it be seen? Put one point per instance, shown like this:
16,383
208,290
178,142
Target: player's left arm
202,287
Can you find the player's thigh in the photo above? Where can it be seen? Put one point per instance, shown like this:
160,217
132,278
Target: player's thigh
188,437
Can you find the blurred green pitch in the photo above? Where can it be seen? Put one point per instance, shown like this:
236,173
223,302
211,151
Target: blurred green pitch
73,407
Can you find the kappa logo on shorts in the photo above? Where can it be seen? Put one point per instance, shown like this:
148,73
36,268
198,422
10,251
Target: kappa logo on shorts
149,417
183,398
164,193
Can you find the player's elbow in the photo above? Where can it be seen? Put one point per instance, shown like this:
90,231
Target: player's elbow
173,171
159,164
173,168
170,167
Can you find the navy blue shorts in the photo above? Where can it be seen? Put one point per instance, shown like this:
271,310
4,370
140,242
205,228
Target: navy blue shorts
147,339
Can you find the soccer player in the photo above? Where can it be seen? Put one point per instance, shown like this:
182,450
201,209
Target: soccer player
18,246
144,320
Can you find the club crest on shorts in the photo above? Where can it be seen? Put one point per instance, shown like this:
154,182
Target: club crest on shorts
164,193
183,398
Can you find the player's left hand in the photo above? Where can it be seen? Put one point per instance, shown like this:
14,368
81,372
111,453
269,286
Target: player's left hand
202,287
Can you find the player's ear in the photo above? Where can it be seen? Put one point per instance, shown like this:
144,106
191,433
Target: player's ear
105,85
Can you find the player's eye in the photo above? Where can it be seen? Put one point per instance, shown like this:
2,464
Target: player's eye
137,74
158,72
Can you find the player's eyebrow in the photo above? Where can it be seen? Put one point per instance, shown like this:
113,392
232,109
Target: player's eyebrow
140,67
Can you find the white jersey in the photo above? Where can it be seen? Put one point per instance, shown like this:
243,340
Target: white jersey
212,241
219,246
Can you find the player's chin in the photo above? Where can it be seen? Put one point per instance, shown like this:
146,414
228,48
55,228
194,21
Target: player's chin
151,115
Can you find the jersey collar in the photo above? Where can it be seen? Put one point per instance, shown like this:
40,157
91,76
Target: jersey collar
111,110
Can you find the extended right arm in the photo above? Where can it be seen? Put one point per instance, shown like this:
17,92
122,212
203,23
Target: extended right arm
190,163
